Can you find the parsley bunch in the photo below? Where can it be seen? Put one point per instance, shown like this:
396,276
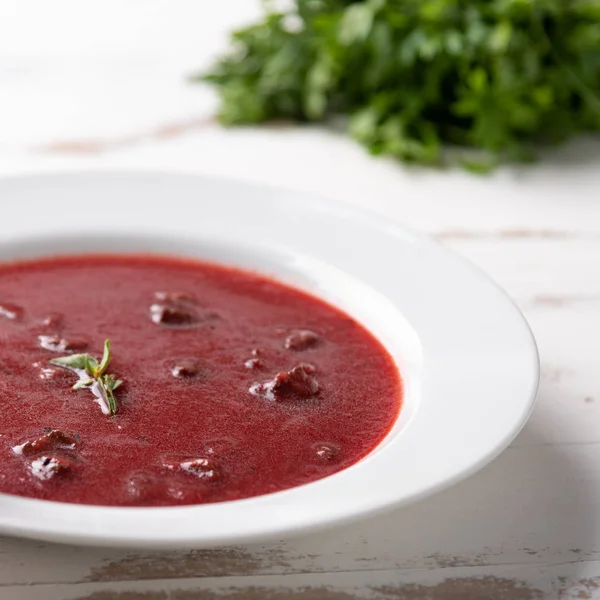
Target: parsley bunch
425,81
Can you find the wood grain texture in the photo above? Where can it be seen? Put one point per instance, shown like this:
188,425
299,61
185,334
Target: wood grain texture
555,582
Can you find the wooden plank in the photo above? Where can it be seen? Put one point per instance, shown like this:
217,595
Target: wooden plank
564,581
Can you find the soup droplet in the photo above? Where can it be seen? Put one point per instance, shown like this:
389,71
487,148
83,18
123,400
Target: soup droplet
220,446
47,467
55,343
10,311
175,309
143,489
51,441
202,468
53,321
298,383
51,374
254,363
185,369
173,316
301,339
325,452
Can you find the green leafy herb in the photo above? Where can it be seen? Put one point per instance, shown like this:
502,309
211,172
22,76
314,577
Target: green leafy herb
93,376
418,77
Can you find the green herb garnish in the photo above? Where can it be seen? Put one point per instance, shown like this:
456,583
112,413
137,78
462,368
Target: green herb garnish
93,376
491,80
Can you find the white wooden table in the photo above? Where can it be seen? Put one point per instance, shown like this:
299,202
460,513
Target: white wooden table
101,86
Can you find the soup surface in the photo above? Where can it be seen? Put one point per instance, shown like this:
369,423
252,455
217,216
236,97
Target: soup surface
233,385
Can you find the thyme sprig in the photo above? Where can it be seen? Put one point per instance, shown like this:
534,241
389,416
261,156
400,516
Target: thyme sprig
92,375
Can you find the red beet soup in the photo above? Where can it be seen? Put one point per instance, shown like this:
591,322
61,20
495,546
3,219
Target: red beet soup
217,384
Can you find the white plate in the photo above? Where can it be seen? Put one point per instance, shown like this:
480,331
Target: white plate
467,357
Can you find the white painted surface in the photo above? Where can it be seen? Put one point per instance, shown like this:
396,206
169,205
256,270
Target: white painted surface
103,87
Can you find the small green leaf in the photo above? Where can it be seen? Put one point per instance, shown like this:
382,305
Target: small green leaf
454,42
319,79
478,80
106,386
82,383
74,361
91,366
500,37
105,358
111,382
116,384
356,23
